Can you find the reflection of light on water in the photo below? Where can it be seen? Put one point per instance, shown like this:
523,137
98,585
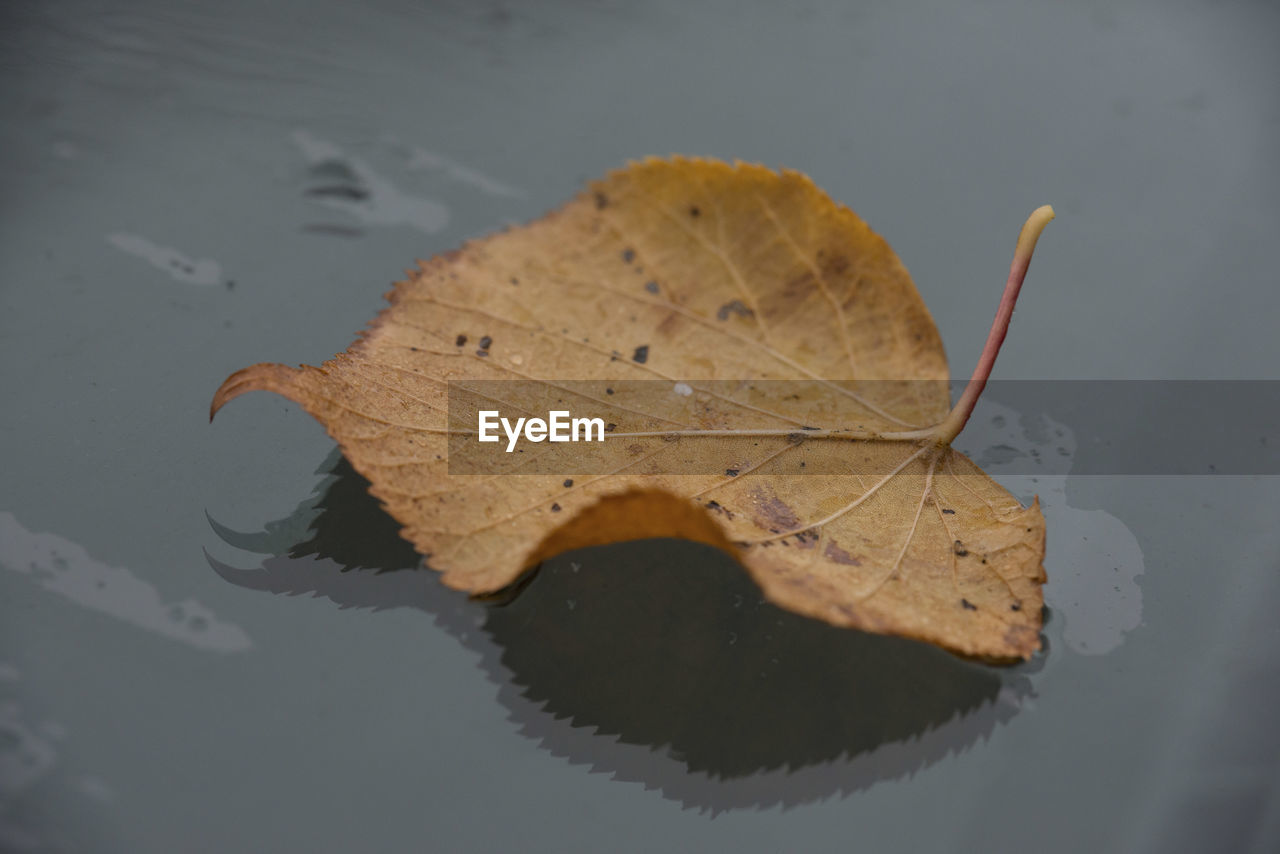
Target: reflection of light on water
192,271
28,758
1092,558
420,159
354,188
25,755
30,767
65,568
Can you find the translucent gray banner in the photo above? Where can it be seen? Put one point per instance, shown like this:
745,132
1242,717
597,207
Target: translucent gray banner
817,427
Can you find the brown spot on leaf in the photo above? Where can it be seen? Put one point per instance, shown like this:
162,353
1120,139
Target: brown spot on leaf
835,265
734,307
807,539
773,512
838,555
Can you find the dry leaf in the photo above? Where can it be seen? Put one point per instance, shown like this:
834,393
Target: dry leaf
697,272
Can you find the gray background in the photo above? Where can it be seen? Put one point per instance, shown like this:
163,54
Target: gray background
299,156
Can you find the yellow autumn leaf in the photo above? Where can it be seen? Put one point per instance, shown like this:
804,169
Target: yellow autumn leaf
717,282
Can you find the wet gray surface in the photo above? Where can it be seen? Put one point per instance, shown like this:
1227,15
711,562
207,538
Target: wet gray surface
198,650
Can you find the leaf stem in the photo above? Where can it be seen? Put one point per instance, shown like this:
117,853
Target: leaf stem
947,431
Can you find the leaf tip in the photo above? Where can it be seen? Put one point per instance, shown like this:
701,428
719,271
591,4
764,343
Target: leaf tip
264,376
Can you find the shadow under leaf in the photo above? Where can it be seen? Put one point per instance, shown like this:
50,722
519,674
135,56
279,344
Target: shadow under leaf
658,661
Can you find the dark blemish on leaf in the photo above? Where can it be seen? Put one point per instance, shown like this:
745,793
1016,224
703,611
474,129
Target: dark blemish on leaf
694,212
568,482
793,438
610,427
555,508
668,323
810,428
800,286
731,472
734,307
834,553
651,287
959,549
776,515
968,606
602,201
486,342
949,511
231,284
836,265
807,539
340,191
642,354
460,341
514,280
1016,606
628,255
482,353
